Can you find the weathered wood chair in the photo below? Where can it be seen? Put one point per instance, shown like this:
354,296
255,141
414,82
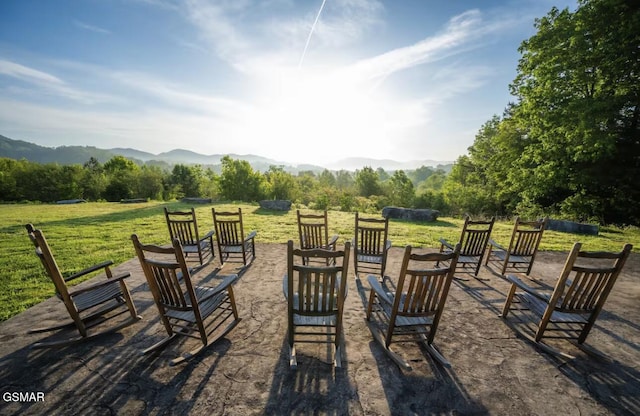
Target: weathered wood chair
473,243
313,230
370,245
411,309
315,298
183,225
523,247
185,309
573,306
89,305
232,242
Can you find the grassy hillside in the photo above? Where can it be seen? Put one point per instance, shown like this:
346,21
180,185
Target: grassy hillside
85,234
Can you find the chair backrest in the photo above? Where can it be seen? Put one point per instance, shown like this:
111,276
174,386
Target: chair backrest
423,285
183,226
587,279
317,289
48,261
526,237
168,276
371,235
228,226
313,230
474,236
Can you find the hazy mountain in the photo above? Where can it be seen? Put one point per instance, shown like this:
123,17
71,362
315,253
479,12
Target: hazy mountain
354,163
66,155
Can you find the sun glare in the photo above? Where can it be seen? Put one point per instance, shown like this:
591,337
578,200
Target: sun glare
320,118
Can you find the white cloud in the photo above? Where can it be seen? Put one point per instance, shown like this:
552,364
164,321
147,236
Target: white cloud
91,28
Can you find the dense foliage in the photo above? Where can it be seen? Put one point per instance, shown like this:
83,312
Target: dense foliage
570,145
120,178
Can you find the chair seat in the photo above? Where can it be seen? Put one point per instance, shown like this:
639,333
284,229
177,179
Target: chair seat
538,306
469,259
365,258
207,306
194,248
502,256
87,300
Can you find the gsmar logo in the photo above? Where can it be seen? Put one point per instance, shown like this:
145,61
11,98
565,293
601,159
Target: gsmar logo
28,396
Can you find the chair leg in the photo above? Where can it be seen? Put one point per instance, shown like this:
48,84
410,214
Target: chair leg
507,302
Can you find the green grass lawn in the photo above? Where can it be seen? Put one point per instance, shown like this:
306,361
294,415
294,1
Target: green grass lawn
84,234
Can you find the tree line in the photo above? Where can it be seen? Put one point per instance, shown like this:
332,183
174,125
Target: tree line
120,178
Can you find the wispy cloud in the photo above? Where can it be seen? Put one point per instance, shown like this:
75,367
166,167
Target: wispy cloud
49,84
459,30
27,74
91,28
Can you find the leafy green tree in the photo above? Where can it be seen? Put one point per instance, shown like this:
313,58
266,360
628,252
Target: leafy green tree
8,174
239,182
150,183
186,180
401,189
344,180
367,182
578,87
93,181
280,184
327,179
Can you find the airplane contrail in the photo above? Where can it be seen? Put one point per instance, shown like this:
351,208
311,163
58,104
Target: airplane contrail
313,27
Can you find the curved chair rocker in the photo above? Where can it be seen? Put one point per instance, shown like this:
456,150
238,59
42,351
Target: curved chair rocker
184,307
522,250
473,243
412,309
370,245
315,297
232,243
576,301
313,230
183,225
88,306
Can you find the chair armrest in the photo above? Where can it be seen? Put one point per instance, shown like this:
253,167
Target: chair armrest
530,290
333,241
377,287
208,235
100,284
251,235
446,244
88,270
387,245
494,244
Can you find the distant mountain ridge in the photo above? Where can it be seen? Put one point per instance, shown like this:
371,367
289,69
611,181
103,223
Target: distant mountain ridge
67,155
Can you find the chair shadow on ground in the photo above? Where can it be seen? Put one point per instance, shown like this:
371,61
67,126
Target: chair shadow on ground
109,375
314,387
427,390
612,384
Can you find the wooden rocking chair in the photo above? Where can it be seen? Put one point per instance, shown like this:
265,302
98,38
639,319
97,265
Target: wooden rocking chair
185,309
576,301
232,243
88,306
183,225
523,247
313,230
473,243
411,310
315,298
370,245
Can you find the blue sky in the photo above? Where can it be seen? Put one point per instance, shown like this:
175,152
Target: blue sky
306,81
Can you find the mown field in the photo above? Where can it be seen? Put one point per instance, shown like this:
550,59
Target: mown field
84,234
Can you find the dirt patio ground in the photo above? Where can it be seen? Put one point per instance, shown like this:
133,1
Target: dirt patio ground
493,370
